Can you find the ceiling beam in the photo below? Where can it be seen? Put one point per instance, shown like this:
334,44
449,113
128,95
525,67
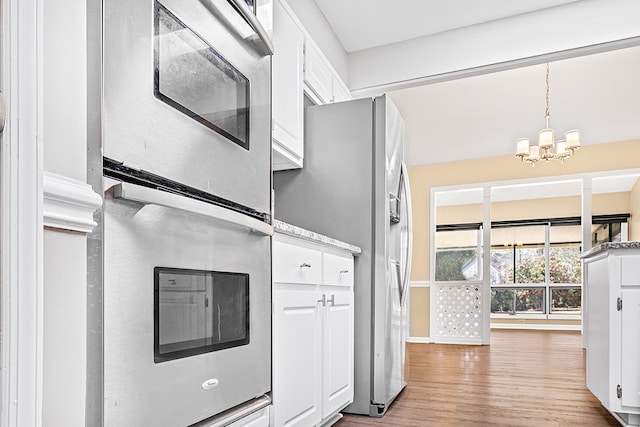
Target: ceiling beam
571,30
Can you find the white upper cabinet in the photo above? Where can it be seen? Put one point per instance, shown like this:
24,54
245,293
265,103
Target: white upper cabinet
298,67
287,92
340,91
320,79
317,74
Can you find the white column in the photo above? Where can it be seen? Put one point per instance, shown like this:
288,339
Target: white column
21,195
486,266
586,245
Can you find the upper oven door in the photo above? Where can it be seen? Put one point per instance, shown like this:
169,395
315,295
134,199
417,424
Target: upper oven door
187,94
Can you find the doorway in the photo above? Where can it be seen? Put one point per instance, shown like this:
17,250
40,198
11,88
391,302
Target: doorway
533,233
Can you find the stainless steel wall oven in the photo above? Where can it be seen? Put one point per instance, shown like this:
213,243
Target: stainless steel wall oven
186,220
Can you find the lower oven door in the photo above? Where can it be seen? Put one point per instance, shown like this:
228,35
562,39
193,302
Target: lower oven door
187,310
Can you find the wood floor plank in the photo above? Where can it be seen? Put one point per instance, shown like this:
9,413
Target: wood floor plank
524,378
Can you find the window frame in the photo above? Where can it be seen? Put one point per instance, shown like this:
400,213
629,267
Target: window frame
547,286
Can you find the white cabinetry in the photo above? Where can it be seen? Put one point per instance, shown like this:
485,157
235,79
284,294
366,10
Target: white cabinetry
312,332
340,91
319,77
317,74
288,61
612,328
298,65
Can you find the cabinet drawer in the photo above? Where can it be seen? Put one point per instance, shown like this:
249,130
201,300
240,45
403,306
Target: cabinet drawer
338,270
295,264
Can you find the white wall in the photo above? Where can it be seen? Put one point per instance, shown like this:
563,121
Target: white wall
64,87
63,102
64,333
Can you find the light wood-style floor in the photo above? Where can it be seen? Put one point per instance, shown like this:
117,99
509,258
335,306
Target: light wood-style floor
524,378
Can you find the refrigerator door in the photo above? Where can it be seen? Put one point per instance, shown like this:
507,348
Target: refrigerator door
389,313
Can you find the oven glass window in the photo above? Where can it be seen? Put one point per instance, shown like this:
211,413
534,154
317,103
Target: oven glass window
192,77
198,311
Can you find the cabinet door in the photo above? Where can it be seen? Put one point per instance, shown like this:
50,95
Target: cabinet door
630,348
297,357
287,95
317,74
337,385
340,93
598,316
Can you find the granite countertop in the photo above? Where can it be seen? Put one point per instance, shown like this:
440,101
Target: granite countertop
292,230
610,245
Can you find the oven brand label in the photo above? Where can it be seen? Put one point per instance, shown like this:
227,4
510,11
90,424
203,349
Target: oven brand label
209,384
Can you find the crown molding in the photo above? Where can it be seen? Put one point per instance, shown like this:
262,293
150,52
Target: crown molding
69,204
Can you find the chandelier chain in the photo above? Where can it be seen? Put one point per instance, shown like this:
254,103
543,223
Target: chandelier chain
547,114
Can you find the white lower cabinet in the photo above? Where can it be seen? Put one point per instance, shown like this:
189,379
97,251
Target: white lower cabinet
337,352
297,346
312,333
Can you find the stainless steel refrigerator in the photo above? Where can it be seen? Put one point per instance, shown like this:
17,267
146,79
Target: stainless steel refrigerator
354,187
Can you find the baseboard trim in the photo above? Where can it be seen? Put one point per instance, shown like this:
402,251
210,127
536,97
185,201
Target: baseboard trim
419,284
419,340
540,327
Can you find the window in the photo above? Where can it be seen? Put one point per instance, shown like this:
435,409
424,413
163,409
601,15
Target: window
458,254
566,300
565,269
535,265
518,300
518,268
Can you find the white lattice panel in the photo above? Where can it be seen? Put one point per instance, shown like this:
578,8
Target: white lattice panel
459,311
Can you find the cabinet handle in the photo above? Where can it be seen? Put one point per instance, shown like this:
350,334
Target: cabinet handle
323,300
3,112
332,300
344,271
305,265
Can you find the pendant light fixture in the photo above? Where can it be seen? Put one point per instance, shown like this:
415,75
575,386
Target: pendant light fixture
547,148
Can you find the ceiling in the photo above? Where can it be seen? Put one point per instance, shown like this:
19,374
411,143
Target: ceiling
482,116
361,25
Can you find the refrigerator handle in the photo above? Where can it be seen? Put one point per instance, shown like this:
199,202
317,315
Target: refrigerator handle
406,198
401,288
151,196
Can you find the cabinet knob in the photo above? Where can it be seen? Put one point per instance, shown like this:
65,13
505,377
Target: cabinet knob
332,301
344,271
305,265
323,300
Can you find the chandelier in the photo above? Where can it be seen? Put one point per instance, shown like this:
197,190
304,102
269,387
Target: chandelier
545,149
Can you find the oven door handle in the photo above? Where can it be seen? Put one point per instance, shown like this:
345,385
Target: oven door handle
251,19
151,196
